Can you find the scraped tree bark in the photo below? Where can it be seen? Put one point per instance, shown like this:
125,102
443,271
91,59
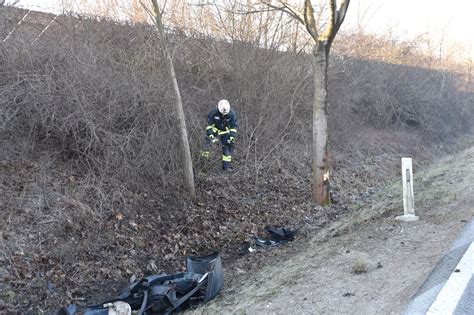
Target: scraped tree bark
185,152
321,49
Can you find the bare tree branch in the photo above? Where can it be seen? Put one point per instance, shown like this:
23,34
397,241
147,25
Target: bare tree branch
310,22
328,32
340,15
294,12
146,9
287,9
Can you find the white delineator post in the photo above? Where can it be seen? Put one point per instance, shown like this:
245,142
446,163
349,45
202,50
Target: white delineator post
408,199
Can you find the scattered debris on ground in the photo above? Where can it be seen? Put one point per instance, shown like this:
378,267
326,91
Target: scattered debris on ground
61,246
164,294
277,236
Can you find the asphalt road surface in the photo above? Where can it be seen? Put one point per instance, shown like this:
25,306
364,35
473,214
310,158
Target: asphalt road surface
449,289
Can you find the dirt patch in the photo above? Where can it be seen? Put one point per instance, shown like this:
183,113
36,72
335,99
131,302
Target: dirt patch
368,262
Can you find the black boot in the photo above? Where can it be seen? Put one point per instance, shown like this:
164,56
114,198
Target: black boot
225,165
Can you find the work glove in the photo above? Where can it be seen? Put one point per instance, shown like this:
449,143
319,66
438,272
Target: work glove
231,140
212,138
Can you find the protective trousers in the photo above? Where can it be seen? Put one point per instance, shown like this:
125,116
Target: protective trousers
227,149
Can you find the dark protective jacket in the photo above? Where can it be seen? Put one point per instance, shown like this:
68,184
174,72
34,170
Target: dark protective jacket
221,124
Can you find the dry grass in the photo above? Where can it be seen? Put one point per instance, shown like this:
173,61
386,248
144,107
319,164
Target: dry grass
359,267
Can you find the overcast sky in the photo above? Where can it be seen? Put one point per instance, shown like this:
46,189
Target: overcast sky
406,18
411,17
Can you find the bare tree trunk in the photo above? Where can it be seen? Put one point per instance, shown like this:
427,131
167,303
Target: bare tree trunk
320,185
323,41
183,136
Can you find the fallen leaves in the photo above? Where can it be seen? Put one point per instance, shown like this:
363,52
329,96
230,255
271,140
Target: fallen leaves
81,252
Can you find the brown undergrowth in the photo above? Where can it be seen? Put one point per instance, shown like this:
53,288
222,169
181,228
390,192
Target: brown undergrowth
58,250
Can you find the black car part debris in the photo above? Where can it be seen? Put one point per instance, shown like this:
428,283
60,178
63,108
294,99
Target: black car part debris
278,236
281,235
164,294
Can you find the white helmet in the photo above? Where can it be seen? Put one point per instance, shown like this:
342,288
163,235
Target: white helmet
224,107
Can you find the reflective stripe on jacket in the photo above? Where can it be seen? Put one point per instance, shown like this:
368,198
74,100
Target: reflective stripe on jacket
221,124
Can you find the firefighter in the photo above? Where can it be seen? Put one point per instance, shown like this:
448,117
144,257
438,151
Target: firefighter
221,123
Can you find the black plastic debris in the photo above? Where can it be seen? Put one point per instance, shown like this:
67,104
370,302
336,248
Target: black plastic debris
165,294
281,235
277,236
